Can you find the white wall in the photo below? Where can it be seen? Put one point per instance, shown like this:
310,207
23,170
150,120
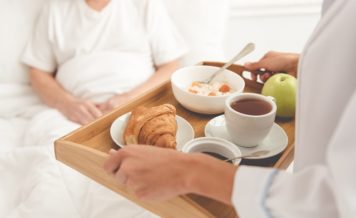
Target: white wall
280,25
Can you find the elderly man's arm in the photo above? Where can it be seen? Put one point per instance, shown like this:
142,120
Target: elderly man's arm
162,74
54,95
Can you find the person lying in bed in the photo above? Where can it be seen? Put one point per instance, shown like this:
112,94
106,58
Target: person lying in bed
134,39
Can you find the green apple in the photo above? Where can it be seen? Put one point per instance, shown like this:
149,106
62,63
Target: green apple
283,87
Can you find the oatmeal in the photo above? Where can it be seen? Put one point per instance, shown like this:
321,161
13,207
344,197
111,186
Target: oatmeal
213,89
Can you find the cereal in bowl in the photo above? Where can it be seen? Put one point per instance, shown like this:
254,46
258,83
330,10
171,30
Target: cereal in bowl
214,89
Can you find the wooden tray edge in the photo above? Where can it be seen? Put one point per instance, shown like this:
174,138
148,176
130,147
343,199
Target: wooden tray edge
90,164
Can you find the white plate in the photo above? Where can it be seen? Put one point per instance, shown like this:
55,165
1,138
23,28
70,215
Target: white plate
185,131
275,142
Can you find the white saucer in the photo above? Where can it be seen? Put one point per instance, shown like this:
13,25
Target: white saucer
275,142
185,131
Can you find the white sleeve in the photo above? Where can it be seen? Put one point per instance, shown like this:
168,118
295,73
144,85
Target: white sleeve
165,41
39,51
326,191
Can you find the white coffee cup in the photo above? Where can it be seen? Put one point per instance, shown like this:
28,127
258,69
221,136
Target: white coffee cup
249,130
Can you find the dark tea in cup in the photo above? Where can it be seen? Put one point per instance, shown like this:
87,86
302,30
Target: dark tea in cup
249,117
254,107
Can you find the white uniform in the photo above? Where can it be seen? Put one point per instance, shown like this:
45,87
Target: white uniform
324,181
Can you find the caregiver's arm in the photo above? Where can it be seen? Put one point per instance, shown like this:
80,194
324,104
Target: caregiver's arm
158,174
54,95
324,190
161,75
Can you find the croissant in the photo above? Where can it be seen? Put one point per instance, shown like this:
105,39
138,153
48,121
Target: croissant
153,126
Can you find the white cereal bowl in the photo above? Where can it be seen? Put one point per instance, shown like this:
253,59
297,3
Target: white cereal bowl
183,78
215,145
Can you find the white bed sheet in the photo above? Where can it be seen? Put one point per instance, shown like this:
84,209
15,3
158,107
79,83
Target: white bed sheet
34,185
12,131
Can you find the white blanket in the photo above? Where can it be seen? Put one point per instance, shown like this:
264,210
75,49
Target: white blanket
18,100
32,183
12,131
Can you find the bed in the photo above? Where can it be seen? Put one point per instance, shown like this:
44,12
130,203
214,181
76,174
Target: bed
33,183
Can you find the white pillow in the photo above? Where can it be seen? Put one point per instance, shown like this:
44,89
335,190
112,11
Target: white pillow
17,18
201,22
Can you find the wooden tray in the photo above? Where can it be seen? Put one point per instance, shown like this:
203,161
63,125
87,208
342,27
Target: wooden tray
87,148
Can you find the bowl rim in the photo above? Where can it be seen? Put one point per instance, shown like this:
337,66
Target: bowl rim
214,140
208,97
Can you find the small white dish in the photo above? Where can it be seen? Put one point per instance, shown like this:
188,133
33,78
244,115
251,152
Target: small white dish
217,146
185,131
275,142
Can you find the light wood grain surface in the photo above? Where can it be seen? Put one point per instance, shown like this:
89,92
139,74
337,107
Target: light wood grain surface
86,149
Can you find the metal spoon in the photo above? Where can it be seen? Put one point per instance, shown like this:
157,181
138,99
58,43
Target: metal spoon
253,154
245,51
